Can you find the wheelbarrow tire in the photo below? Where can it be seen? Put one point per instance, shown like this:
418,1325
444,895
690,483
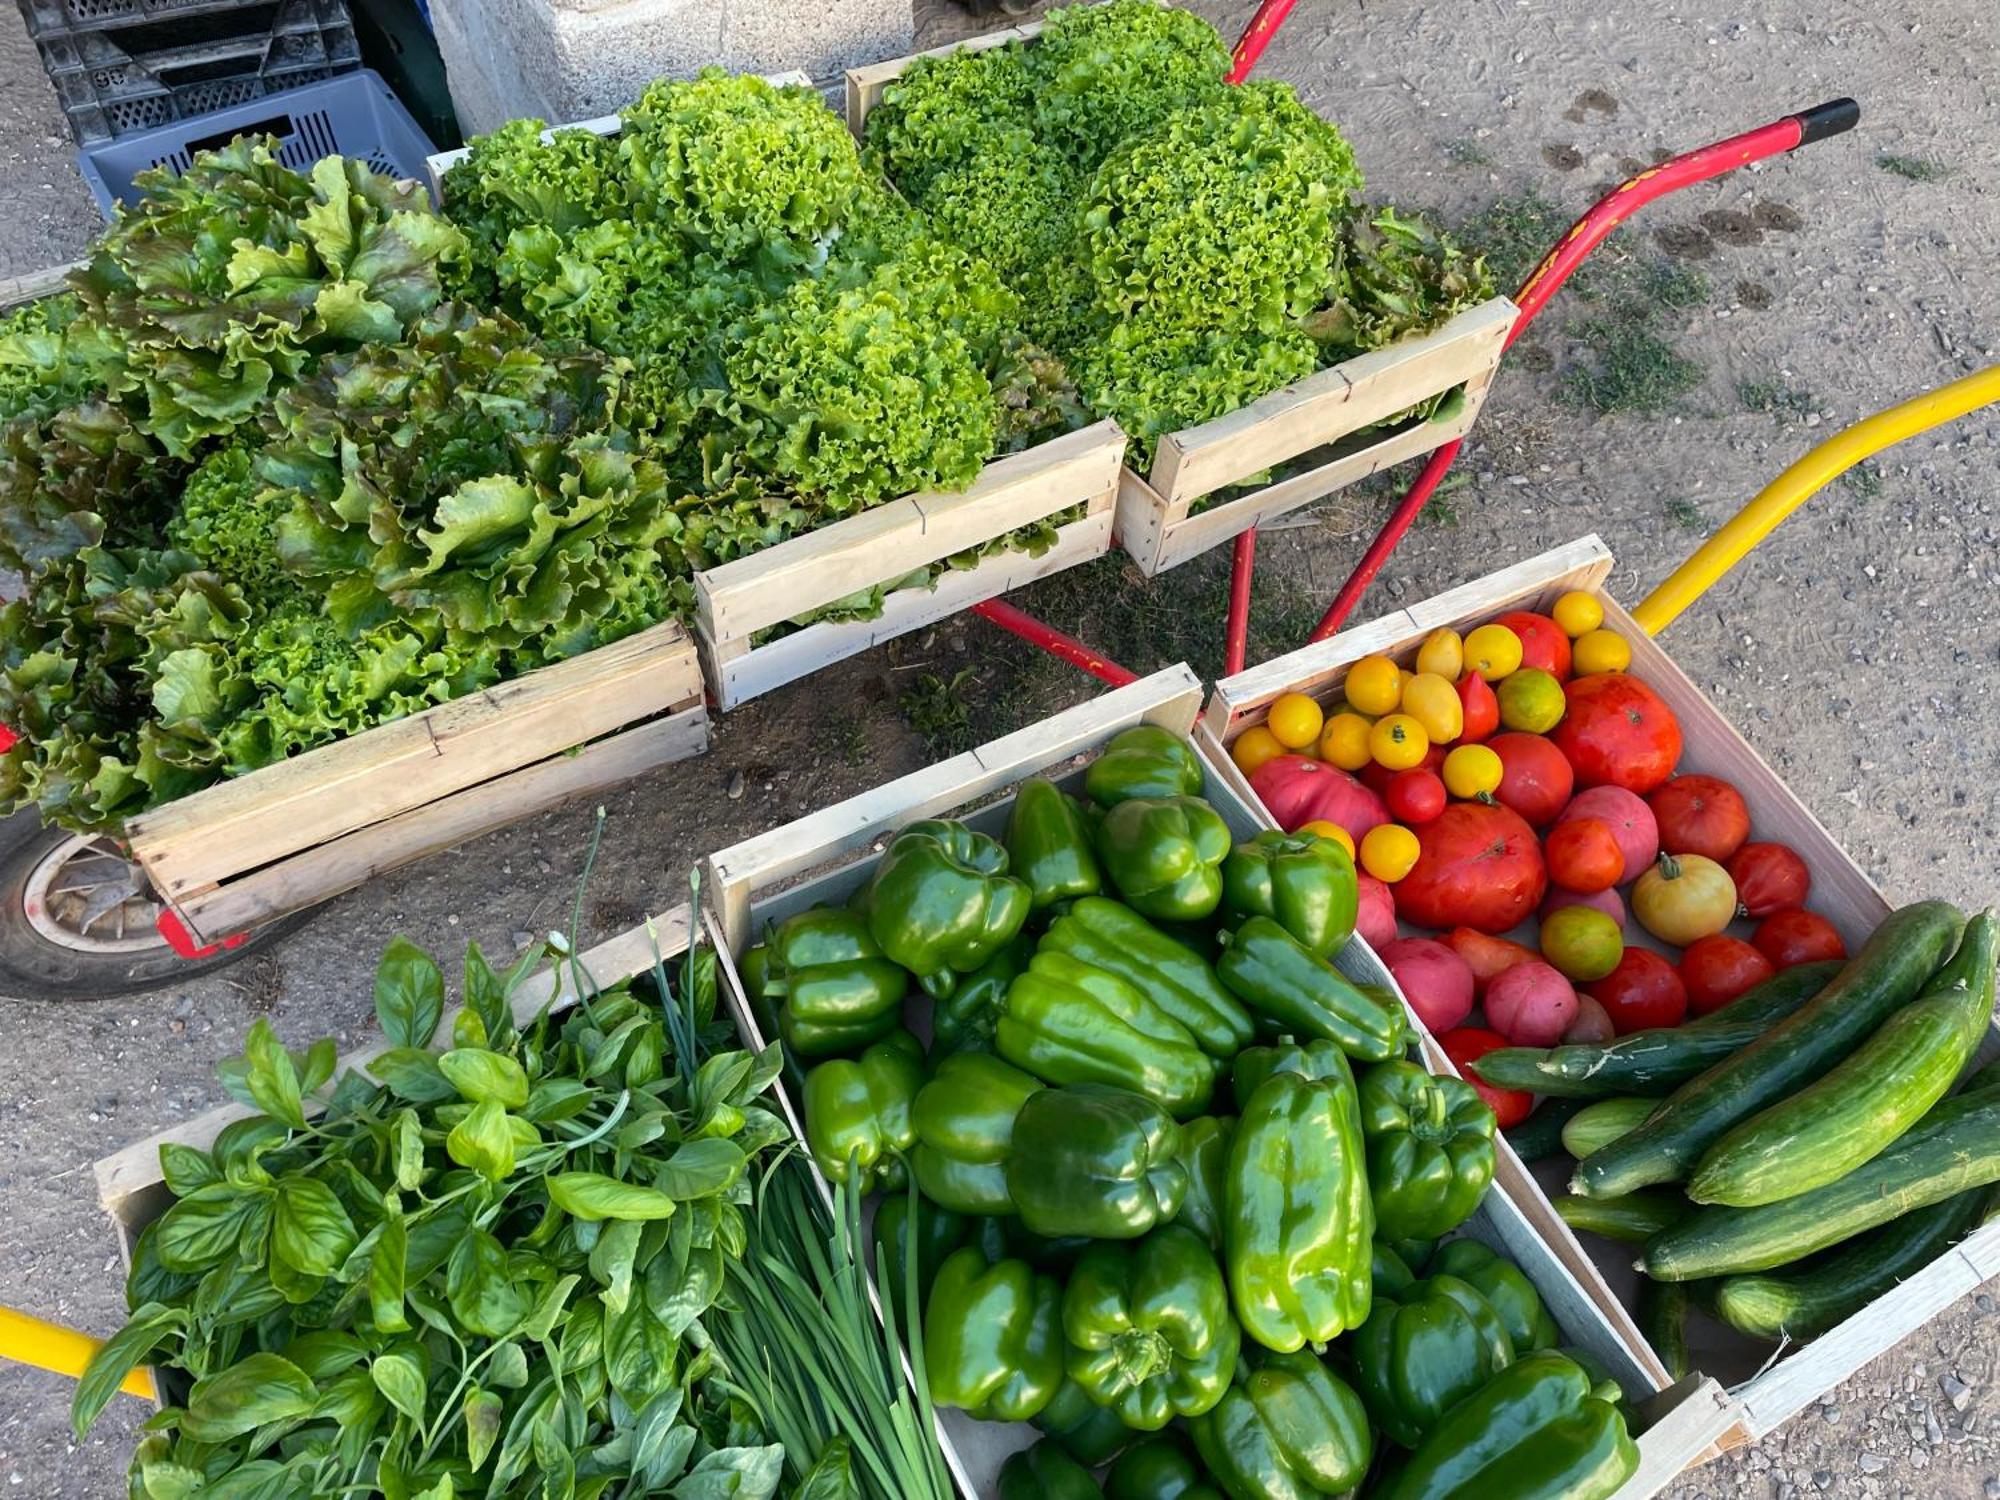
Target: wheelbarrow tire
34,965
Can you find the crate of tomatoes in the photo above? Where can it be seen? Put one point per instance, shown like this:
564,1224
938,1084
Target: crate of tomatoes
1714,1047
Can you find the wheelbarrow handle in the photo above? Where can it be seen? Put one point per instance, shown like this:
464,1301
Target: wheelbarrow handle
29,1340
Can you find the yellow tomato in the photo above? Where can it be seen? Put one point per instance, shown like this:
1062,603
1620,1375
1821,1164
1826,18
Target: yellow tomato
1253,747
1578,613
1443,653
1388,851
1600,651
1434,703
1398,742
1344,741
1374,684
1531,701
1295,719
1331,831
1472,771
1493,651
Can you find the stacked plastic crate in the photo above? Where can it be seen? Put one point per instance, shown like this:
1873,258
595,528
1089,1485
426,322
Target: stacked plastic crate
124,66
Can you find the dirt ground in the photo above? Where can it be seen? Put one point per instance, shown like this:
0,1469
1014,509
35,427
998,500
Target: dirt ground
1856,649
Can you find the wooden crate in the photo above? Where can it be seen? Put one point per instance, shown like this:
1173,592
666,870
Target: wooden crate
277,840
1764,1393
738,599
823,857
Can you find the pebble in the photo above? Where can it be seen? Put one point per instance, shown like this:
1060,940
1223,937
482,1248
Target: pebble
1871,1463
1956,1391
1992,1488
1933,1432
735,785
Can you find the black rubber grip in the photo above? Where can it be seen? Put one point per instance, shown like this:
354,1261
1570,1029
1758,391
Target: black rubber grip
1835,117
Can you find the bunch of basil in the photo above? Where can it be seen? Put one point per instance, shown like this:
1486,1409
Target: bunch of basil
482,1273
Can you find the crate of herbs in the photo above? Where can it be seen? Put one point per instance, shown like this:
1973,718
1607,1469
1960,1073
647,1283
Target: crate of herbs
1749,1073
1200,256
1176,1202
863,435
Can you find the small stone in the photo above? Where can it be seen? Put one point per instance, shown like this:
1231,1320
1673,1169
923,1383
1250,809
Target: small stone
735,785
1992,1488
1956,1391
1933,1433
1871,1463
1830,1413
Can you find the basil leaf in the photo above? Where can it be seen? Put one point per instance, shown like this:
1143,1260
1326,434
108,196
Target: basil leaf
206,1226
734,1474
187,1170
325,1353
432,1240
406,1134
700,1169
611,1260
272,1080
261,1479
507,1366
832,1475
592,1196
386,1269
295,1286
485,997
673,1456
483,1411
117,1357
409,994
311,1232
467,1030
319,1060
480,1075
259,1388
483,1142
399,1376
639,1354
413,1075
556,1099
482,1294
541,1323
649,1432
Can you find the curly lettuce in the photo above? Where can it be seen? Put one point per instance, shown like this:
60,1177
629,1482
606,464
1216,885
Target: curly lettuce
1395,276
51,357
950,111
514,179
1102,74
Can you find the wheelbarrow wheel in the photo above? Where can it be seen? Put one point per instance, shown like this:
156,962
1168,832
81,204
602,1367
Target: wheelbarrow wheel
77,920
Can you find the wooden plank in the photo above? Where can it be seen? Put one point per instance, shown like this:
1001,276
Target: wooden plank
17,291
1331,403
1698,1414
738,672
866,84
1170,697
326,870
269,814
135,1170
888,541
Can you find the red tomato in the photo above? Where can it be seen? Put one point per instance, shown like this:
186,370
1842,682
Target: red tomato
1535,780
1481,707
1644,991
1378,777
1631,821
1297,790
1478,866
1510,1106
1544,643
1487,957
1769,878
1584,856
1797,937
1701,815
1415,796
1616,731
1718,968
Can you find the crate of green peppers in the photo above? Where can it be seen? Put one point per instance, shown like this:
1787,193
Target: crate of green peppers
1177,1188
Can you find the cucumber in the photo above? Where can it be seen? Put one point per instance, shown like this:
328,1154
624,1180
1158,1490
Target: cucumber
1658,1061
1804,1301
1604,1122
1539,1137
1954,1149
1885,975
1663,1315
1857,1111
1632,1219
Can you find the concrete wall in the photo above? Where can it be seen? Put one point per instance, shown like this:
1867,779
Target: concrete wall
566,60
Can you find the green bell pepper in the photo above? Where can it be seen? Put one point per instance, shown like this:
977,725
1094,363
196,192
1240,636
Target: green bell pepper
858,1112
964,1119
1049,846
1533,1432
941,902
1316,1060
1118,940
1296,990
1045,1472
1292,1431
1089,1433
1165,856
1297,1223
1149,1330
1416,1357
1067,1022
1205,1154
835,990
1304,883
1430,1149
993,1337
939,1232
1095,1161
1158,1468
1389,1274
1506,1289
963,1021
1143,761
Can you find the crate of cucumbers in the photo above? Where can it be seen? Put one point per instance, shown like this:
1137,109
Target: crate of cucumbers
1160,1187
1715,1048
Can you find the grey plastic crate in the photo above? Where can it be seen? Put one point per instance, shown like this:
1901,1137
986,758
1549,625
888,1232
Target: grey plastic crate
54,17
352,115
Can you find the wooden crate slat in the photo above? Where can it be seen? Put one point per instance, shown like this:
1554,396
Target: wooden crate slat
252,820
1698,1414
888,541
1329,404
328,869
866,84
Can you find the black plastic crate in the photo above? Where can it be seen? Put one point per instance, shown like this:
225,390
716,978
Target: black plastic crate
50,18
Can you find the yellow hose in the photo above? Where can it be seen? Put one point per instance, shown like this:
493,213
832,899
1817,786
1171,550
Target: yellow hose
50,1346
1801,482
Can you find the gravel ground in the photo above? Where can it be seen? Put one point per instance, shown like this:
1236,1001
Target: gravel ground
1855,649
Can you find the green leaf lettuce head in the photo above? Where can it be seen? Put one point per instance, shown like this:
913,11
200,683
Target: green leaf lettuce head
946,113
1104,73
